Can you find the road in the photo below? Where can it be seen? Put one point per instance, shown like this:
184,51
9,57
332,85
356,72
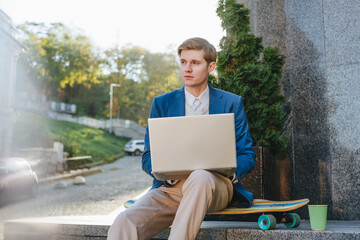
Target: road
103,193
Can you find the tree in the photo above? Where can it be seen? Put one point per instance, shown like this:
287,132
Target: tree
161,75
142,76
125,67
245,68
62,62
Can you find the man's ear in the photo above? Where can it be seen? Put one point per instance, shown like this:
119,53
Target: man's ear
211,67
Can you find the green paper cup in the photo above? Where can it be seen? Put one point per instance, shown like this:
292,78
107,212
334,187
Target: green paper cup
318,215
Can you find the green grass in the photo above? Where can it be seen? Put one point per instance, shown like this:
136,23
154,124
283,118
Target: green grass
33,130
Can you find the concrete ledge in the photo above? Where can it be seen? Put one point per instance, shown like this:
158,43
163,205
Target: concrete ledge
249,230
96,227
51,228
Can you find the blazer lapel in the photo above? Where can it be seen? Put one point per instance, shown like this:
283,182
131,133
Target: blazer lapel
179,103
215,101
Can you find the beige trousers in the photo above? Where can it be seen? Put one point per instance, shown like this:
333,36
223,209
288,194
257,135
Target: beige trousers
183,205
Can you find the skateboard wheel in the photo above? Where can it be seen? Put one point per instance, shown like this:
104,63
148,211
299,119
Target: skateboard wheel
129,203
267,222
292,220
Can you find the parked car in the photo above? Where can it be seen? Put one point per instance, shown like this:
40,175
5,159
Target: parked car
16,179
134,147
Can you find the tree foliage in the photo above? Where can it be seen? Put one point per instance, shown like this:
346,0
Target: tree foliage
62,62
161,75
245,68
65,66
142,76
125,68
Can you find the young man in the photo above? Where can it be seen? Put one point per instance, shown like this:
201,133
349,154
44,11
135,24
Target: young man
184,203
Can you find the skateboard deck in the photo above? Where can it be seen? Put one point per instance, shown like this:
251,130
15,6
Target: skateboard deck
264,206
268,221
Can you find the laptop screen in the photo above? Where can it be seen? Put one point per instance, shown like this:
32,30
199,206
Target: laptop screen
180,145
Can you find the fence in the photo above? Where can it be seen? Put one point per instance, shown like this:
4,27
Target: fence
120,126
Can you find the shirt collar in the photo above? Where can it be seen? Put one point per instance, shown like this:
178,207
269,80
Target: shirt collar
204,97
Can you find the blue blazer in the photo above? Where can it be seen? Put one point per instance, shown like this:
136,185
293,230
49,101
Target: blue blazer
172,104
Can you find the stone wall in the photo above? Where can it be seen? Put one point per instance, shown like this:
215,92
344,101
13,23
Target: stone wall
43,161
320,39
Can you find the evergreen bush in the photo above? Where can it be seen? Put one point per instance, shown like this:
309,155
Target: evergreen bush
248,69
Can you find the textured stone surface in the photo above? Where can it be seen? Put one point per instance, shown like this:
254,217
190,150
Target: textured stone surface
344,98
342,31
77,238
344,120
305,18
306,89
209,230
43,228
95,228
310,136
296,235
268,20
320,39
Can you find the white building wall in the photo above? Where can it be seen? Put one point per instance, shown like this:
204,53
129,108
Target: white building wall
9,50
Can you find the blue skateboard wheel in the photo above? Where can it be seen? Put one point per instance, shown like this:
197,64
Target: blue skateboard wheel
292,220
267,222
129,203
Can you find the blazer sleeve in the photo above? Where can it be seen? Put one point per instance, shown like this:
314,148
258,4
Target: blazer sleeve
146,157
244,146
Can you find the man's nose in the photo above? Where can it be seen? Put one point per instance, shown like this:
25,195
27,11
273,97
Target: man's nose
188,67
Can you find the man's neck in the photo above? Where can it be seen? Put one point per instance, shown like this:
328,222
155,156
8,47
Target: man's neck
196,91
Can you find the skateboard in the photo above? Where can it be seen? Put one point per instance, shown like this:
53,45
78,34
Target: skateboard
265,221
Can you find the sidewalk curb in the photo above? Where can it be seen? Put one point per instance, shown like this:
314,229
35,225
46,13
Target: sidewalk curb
80,172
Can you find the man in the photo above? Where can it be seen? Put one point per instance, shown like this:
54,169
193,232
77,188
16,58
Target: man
184,203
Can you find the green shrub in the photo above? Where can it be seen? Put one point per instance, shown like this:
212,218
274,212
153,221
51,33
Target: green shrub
92,107
33,130
245,68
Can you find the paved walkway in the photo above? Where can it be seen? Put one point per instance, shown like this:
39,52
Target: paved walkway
102,194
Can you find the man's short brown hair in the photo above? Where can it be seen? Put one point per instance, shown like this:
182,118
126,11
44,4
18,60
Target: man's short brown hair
197,43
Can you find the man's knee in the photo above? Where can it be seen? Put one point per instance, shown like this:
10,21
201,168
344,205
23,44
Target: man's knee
200,179
201,175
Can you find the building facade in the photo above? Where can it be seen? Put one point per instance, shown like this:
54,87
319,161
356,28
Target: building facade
9,52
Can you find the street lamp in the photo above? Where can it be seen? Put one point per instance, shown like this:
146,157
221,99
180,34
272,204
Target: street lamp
111,103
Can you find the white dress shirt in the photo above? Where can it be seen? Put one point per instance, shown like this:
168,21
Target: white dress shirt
195,106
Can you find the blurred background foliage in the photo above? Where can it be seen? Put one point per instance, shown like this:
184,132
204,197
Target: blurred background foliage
248,69
62,64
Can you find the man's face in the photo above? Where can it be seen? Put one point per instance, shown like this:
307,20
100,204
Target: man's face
194,69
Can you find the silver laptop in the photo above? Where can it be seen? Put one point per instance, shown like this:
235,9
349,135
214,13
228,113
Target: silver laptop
180,145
